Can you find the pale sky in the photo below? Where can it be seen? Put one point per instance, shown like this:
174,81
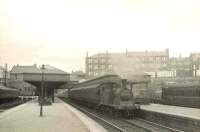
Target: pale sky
60,32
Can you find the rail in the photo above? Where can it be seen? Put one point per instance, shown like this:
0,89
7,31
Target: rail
124,125
150,126
98,117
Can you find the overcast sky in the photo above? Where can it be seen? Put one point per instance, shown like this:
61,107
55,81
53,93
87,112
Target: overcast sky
60,32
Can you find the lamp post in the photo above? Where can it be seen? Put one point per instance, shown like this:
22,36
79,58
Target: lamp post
5,75
42,90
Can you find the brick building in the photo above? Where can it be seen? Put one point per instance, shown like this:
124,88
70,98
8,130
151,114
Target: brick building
146,61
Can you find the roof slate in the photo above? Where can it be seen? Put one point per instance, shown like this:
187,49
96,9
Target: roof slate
33,69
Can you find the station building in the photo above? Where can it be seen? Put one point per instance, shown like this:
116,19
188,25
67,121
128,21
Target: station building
45,79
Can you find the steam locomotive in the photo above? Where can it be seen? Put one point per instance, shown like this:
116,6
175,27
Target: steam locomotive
110,93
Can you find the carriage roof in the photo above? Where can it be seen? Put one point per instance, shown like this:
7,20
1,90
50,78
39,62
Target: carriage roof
7,88
114,78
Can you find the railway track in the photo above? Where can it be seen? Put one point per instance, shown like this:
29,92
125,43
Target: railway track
150,126
105,123
9,105
121,125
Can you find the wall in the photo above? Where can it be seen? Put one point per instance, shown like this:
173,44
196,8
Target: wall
177,122
18,76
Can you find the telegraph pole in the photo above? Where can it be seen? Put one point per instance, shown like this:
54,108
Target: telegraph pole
42,90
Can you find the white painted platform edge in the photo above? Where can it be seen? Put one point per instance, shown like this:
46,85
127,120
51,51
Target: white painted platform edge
175,114
11,110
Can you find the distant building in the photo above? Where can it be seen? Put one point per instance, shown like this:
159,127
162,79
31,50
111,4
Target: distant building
181,66
146,61
2,75
195,64
186,66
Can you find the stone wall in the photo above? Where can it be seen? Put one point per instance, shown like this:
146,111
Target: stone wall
176,122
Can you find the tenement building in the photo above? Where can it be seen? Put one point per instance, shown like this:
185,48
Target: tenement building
181,66
153,62
195,64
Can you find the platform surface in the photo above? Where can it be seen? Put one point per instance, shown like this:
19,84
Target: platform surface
193,113
59,117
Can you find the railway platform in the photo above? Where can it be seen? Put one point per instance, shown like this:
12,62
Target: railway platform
187,112
181,118
57,117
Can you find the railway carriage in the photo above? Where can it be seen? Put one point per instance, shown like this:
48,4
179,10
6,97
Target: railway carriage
8,94
26,90
181,94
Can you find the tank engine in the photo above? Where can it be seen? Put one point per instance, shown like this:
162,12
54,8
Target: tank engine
109,93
